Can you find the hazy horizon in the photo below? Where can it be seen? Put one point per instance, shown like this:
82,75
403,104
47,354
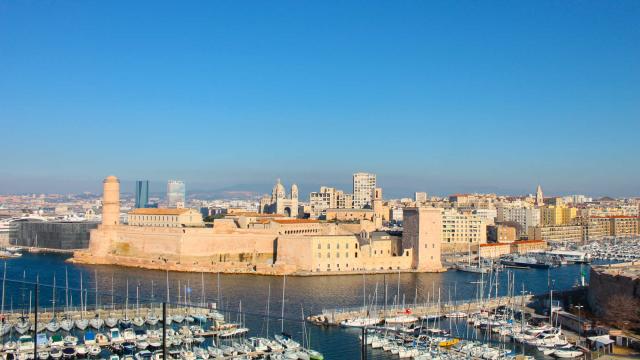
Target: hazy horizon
435,96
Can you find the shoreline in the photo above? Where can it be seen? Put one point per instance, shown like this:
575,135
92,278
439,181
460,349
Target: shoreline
82,258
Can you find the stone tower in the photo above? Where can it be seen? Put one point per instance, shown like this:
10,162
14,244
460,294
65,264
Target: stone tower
539,196
423,235
111,201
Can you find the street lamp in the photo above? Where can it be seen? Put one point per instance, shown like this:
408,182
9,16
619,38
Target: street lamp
579,307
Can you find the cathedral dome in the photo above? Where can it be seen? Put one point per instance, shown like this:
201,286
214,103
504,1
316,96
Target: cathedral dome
278,189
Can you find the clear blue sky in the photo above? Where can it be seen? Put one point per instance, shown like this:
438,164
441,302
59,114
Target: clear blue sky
438,96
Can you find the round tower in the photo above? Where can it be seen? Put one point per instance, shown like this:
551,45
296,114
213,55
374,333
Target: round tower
111,201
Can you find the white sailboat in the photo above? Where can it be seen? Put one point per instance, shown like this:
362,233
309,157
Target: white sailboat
137,320
111,321
96,322
53,325
82,323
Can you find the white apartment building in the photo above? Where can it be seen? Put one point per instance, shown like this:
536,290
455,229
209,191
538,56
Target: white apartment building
363,186
525,217
420,196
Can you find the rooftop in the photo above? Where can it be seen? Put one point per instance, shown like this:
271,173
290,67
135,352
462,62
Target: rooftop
154,211
296,221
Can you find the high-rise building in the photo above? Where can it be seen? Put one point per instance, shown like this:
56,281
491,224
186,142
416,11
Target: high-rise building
142,193
363,186
420,196
175,194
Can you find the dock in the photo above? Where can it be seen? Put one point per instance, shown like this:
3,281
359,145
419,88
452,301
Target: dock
333,317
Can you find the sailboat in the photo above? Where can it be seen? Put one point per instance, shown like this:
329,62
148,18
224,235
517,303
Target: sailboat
468,267
111,321
137,320
66,324
151,318
168,319
125,321
82,323
96,322
6,326
53,325
23,324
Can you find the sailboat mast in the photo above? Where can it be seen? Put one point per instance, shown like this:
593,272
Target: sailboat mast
81,297
284,285
66,289
54,295
268,304
4,279
96,279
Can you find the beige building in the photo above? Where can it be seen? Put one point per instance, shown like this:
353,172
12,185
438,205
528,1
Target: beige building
624,225
423,236
557,233
165,217
596,228
501,233
494,250
459,230
349,214
525,246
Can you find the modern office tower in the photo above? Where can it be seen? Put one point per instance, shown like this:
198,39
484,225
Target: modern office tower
142,193
175,194
363,186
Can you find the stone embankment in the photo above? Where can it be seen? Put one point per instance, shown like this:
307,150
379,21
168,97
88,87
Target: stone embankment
336,316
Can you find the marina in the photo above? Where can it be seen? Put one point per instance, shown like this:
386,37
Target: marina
251,294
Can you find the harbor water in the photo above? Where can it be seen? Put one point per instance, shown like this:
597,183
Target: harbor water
246,297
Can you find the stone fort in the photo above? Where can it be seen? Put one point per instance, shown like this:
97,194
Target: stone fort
270,244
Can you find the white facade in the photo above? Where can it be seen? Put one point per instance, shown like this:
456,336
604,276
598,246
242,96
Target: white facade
363,186
488,215
525,217
175,194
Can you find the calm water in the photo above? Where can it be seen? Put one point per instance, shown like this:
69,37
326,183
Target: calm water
308,294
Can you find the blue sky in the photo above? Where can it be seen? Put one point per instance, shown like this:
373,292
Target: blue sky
438,96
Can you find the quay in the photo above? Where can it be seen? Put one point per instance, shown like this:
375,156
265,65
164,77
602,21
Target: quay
333,317
47,314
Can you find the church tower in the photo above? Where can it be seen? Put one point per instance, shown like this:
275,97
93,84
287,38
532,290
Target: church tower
111,201
539,196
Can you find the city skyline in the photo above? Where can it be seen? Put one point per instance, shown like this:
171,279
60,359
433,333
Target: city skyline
158,189
436,97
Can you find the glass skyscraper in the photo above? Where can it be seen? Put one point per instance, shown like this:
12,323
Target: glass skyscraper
175,193
142,193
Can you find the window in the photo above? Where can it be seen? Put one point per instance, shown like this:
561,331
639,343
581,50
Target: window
319,246
337,254
328,246
346,254
338,246
328,255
